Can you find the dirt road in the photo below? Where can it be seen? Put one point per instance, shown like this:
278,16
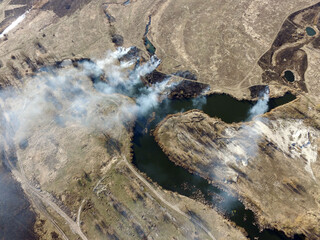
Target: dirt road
159,196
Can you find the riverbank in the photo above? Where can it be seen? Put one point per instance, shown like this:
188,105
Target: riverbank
252,159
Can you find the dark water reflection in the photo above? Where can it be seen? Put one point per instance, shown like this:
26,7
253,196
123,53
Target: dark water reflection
149,158
16,218
310,31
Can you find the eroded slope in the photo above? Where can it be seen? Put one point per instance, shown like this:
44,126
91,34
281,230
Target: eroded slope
272,162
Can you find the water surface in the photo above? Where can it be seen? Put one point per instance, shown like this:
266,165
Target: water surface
149,158
289,76
310,31
16,218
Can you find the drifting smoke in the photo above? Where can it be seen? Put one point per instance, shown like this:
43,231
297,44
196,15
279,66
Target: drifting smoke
58,101
199,101
243,143
261,106
149,99
66,94
253,132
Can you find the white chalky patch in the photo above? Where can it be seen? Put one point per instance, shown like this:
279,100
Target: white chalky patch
14,24
292,137
296,139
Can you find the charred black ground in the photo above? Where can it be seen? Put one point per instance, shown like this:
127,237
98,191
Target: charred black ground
286,51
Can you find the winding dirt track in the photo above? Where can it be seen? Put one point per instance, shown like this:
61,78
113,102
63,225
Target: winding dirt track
40,198
159,196
79,213
36,195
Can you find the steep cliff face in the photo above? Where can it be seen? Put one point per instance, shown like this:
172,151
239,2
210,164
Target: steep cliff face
271,162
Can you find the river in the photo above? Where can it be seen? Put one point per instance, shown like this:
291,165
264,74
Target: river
149,158
16,218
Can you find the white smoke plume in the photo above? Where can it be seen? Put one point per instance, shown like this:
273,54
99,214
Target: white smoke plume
261,106
199,101
67,94
243,144
149,99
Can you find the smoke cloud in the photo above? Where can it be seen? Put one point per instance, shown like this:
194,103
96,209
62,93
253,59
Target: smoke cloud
261,106
199,101
59,95
242,143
